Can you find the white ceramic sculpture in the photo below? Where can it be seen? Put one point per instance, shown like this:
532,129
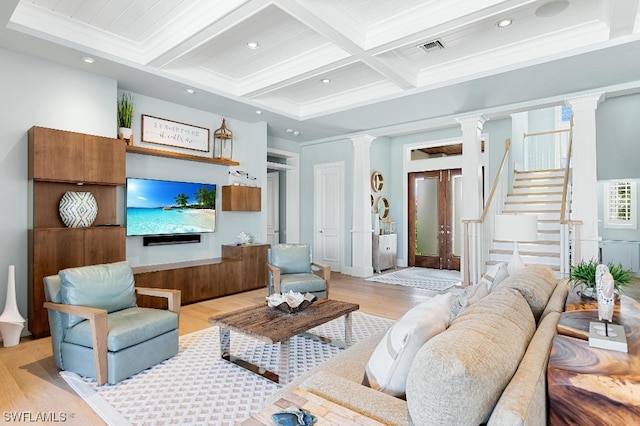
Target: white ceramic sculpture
11,322
605,293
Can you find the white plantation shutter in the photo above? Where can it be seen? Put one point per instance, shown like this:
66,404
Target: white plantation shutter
620,204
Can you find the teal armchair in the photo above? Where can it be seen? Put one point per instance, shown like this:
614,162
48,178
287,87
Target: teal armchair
291,268
97,329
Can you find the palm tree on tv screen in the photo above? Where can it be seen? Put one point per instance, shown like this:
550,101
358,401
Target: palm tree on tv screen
206,198
182,200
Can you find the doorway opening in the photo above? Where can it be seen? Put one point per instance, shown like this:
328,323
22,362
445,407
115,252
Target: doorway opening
435,227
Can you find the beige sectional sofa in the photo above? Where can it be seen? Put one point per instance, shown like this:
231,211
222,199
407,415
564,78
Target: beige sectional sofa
489,365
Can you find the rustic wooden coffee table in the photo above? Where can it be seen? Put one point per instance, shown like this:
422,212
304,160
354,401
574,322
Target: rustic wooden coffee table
274,326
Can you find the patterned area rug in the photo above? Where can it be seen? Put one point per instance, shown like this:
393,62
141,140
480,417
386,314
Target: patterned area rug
196,387
435,280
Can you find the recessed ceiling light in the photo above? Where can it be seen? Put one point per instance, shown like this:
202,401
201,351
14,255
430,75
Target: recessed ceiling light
504,23
252,45
88,60
191,91
551,8
296,133
289,130
325,81
258,112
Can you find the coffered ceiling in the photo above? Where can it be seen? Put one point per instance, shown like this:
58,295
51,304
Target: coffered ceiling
330,67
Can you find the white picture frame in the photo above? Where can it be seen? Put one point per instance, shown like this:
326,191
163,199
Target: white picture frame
172,133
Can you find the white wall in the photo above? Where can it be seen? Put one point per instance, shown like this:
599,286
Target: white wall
249,148
39,93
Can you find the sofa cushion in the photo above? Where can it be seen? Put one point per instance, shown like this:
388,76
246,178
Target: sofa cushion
523,402
291,258
127,327
108,286
302,283
458,376
468,297
389,364
495,274
536,284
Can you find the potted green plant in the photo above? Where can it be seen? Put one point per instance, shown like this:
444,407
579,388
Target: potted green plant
584,274
125,115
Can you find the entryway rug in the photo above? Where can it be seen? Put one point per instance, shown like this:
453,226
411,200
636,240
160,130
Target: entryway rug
196,387
435,280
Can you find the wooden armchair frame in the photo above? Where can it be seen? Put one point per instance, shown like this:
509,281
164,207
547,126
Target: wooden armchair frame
98,322
323,271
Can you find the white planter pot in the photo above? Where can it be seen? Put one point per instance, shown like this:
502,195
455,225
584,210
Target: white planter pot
124,133
78,209
11,322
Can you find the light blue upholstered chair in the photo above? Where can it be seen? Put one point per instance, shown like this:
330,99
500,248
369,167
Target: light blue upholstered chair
98,331
291,268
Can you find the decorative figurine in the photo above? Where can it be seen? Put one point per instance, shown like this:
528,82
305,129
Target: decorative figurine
604,291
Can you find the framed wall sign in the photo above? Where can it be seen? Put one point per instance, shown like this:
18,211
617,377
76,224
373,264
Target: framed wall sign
172,133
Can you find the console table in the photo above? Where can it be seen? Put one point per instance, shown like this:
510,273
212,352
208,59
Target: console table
241,268
588,385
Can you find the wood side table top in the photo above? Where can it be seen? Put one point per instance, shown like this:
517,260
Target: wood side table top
589,385
327,412
272,325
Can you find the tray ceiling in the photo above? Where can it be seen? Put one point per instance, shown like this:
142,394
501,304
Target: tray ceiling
366,51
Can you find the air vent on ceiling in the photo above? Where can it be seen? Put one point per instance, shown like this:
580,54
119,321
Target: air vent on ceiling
432,46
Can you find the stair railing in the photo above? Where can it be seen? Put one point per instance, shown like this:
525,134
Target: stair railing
478,233
569,250
569,229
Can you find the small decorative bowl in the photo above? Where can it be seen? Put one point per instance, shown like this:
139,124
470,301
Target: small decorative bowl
290,302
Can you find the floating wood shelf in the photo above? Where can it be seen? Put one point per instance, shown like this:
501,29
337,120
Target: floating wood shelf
181,156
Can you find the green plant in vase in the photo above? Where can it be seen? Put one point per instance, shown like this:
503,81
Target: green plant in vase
125,115
584,274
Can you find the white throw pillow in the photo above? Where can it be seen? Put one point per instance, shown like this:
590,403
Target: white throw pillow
389,363
467,298
495,274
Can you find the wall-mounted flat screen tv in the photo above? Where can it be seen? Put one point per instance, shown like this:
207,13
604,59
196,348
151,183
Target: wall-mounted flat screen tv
161,207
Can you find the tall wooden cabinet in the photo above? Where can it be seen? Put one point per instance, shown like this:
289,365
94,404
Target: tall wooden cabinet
61,161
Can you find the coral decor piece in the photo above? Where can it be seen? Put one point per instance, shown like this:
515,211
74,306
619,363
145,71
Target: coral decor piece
244,238
290,302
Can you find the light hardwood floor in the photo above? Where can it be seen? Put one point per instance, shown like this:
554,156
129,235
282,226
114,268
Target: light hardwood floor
30,384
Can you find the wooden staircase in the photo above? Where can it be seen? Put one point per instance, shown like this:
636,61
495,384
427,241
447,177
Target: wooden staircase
537,193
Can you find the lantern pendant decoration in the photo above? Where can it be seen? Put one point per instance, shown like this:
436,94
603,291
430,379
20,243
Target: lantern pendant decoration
223,142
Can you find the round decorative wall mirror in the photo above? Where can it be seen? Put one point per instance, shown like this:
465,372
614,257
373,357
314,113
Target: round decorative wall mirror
382,207
377,181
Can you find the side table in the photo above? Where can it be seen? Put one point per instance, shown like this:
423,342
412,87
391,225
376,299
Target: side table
588,385
327,412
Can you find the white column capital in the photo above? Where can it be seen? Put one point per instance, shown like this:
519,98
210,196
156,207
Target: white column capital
362,140
586,102
476,121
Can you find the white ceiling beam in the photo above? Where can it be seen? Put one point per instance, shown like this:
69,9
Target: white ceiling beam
322,20
621,15
231,19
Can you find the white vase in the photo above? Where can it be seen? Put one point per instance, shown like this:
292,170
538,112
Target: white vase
78,209
11,322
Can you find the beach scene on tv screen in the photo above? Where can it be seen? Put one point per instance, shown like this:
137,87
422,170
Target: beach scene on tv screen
157,207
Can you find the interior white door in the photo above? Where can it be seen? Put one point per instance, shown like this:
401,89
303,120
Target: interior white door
328,208
273,207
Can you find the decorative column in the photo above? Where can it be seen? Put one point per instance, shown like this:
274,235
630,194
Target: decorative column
584,206
471,178
361,221
471,167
